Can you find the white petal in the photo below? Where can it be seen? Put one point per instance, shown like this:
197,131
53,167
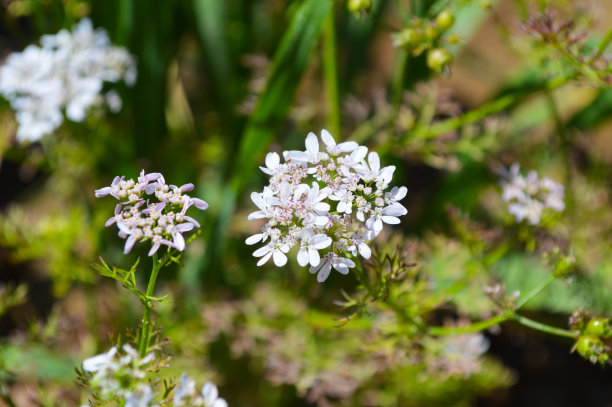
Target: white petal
179,241
327,138
209,392
261,251
324,272
258,200
321,241
386,174
321,221
341,268
302,256
378,225
390,220
315,269
348,146
322,206
359,154
220,403
312,143
256,215
296,155
129,243
264,259
365,250
374,161
394,210
399,193
280,259
254,239
314,257
272,160
348,262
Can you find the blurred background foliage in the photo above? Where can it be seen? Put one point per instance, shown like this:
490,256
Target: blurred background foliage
220,83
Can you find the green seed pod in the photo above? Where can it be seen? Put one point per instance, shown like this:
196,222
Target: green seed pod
438,59
445,20
598,327
408,38
357,6
587,345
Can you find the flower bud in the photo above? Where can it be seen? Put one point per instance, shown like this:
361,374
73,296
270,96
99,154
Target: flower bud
431,32
357,6
438,59
592,348
598,327
445,20
564,266
408,38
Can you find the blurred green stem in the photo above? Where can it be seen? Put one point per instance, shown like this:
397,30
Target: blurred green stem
398,83
534,292
603,44
147,304
488,323
330,69
483,111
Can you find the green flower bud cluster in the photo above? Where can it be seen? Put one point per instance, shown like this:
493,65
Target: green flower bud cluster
592,340
429,36
562,265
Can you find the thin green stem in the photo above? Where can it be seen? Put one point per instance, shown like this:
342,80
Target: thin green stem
534,292
398,84
486,324
542,327
475,327
480,113
146,316
580,66
603,44
330,70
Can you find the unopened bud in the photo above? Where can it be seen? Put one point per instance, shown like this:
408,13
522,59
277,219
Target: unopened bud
445,20
598,327
438,59
408,38
356,6
592,348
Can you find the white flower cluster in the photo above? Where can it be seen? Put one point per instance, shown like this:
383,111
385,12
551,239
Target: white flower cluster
185,394
140,219
528,197
122,375
66,71
333,201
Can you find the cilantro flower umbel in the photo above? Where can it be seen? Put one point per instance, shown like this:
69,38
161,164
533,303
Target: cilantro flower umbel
530,197
152,210
67,72
327,204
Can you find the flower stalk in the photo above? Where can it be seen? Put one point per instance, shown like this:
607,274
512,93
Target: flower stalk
148,305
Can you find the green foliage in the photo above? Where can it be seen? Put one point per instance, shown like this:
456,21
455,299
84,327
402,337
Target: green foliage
450,92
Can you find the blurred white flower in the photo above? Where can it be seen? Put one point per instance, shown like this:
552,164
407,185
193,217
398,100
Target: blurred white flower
529,197
185,394
67,71
111,369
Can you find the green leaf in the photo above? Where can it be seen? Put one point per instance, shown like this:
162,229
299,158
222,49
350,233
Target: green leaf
291,60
